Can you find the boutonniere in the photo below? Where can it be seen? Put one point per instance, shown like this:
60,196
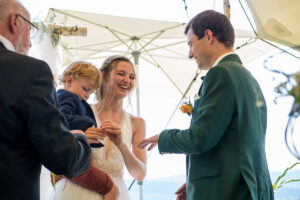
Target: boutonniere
187,108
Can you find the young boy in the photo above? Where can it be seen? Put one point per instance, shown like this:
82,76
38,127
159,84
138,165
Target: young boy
80,79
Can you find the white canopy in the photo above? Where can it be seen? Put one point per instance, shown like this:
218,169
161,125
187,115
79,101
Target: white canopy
277,21
160,43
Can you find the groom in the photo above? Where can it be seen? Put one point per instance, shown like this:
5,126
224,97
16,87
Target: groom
225,143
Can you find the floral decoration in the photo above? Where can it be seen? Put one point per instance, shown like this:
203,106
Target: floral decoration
290,87
187,108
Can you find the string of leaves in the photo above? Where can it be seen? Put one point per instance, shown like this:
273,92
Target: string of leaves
280,181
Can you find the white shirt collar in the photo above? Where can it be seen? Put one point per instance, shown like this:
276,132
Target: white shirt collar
7,44
221,57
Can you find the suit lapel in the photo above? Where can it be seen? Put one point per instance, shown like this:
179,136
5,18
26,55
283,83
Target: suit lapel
202,77
229,58
2,46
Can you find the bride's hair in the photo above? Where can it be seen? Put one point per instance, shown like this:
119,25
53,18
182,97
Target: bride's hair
107,67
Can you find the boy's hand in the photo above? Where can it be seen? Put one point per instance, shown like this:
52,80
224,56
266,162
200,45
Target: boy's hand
77,132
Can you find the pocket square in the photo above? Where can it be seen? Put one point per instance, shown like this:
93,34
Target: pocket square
196,97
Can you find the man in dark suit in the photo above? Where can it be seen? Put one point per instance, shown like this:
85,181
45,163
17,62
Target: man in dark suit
225,143
32,129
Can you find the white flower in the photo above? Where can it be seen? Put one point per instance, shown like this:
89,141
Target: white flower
196,97
259,103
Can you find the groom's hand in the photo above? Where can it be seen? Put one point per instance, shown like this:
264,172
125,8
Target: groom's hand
152,141
181,193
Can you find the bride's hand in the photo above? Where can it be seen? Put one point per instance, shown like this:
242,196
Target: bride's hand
94,134
113,131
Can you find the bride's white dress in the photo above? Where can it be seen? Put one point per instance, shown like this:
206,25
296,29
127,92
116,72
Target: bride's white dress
113,165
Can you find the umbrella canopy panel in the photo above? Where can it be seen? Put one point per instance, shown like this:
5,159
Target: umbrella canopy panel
277,21
161,44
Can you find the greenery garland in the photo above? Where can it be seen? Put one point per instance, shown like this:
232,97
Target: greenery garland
280,181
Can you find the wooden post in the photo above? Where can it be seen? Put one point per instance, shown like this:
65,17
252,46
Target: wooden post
68,30
226,5
56,31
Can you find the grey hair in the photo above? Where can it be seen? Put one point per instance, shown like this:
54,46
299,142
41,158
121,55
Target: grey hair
9,6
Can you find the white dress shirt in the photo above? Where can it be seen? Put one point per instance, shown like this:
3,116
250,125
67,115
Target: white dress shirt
7,44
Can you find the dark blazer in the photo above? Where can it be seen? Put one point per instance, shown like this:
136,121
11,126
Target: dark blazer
225,143
32,129
78,112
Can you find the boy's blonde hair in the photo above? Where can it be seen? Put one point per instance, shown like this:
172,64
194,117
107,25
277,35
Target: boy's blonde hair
82,69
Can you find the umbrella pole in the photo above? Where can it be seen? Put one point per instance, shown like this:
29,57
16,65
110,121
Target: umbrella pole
136,56
226,5
183,96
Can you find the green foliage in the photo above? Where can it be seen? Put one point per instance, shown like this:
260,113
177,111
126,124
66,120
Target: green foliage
280,181
291,87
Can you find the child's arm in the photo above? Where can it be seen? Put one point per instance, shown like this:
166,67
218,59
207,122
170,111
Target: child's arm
70,106
92,179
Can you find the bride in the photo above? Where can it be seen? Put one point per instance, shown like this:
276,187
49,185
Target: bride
124,132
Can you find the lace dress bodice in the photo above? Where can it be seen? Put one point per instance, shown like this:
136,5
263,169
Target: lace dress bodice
114,163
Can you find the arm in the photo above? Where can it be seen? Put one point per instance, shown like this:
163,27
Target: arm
135,161
59,150
92,179
211,118
69,106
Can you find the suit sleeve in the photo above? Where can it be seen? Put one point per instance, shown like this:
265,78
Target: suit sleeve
92,179
68,107
211,117
58,150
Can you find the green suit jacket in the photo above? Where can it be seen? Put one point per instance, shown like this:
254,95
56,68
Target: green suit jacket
225,143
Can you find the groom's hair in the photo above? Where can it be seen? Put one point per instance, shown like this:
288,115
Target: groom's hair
217,22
